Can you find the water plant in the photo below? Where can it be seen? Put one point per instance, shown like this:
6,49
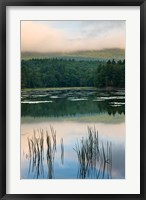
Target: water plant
36,152
94,159
35,145
51,149
62,151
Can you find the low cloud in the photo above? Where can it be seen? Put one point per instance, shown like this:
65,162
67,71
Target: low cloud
37,37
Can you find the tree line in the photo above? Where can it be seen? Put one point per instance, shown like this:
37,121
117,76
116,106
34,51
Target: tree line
41,73
111,74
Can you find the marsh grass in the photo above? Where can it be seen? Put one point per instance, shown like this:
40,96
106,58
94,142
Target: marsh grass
51,149
93,156
94,159
62,152
36,152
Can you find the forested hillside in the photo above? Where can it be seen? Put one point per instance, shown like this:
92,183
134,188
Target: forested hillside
102,55
41,73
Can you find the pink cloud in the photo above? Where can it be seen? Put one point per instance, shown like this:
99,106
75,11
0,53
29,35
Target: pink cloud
41,38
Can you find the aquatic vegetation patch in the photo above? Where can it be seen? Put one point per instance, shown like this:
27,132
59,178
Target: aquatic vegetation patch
94,159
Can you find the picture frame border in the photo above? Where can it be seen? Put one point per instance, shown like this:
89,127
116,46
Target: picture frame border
3,99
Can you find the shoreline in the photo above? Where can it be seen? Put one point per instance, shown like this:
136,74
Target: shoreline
73,88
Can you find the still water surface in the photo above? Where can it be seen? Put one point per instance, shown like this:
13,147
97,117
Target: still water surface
72,133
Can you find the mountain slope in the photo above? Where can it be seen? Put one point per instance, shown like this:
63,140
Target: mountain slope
104,54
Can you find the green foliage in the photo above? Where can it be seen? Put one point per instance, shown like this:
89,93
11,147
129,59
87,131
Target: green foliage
37,73
111,74
42,73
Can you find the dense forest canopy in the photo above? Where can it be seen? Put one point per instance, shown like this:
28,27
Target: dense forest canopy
111,74
57,72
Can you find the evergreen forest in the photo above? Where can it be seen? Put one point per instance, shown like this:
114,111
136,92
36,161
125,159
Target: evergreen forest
57,72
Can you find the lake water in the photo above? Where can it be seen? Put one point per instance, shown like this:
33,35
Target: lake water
72,134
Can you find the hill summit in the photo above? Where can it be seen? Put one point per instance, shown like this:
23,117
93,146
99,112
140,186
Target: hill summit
104,54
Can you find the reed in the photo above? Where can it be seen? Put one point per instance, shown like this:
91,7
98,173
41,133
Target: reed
94,156
51,150
53,132
62,151
36,149
94,159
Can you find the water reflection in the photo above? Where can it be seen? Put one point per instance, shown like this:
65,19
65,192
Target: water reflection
58,103
62,151
67,149
94,157
36,152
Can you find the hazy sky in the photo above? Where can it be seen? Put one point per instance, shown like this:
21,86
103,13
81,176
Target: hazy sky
62,36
